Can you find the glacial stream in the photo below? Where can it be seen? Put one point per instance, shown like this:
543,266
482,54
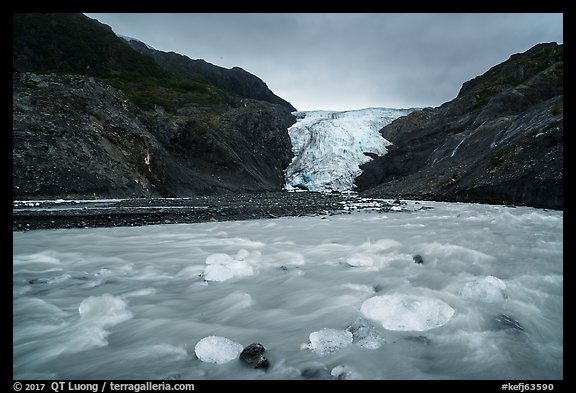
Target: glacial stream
431,291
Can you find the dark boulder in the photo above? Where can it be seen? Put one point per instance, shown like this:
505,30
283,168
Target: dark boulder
506,323
316,373
418,339
253,356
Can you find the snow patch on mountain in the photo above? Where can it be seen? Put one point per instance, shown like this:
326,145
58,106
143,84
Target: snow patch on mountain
330,146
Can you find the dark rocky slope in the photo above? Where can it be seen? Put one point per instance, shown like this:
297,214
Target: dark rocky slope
76,136
499,141
111,122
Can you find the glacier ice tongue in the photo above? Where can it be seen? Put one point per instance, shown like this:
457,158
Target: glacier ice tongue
329,146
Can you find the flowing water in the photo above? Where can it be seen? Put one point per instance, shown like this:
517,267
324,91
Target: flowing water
328,297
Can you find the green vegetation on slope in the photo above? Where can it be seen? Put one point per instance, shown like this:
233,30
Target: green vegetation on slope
516,70
76,44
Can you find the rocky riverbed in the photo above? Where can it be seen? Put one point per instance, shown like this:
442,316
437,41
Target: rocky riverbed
60,213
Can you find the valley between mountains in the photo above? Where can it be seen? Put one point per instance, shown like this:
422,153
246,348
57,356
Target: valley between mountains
119,119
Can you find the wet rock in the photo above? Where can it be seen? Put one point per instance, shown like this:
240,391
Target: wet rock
253,356
316,373
171,377
37,281
418,339
506,322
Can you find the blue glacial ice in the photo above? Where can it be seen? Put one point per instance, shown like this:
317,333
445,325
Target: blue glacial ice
330,146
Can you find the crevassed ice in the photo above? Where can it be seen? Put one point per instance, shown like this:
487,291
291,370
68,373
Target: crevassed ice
407,312
329,146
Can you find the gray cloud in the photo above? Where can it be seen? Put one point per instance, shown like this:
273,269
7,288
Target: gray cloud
348,61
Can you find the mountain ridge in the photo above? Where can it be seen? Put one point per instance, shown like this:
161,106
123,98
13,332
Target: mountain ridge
161,124
499,141
234,79
200,138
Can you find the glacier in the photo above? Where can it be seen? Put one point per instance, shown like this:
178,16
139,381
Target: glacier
330,146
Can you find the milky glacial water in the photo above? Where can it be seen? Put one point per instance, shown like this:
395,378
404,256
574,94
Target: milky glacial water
328,297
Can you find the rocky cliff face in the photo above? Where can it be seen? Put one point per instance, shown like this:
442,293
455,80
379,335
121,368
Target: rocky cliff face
111,128
243,148
499,141
75,136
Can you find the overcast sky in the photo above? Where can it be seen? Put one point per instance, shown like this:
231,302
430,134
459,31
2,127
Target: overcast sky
346,60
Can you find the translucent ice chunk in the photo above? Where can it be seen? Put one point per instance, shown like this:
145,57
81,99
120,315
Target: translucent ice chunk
488,289
407,312
327,341
216,349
